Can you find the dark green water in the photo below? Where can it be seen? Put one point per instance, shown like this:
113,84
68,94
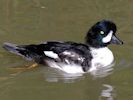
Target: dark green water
35,21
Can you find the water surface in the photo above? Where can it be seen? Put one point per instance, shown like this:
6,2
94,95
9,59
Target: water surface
35,21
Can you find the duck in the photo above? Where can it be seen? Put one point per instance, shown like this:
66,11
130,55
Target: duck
72,57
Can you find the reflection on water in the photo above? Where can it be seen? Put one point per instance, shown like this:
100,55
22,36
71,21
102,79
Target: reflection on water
55,75
103,71
108,92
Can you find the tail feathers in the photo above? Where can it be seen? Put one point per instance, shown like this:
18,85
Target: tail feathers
13,48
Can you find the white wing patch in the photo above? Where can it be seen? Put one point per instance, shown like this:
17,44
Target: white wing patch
66,53
108,37
73,55
51,54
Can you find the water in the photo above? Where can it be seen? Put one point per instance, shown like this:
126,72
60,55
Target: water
35,21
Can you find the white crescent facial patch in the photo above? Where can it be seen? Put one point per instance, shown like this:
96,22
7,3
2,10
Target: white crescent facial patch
108,37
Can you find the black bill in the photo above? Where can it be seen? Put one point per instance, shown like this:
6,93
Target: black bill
115,40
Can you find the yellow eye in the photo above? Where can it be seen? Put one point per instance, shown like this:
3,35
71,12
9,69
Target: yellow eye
101,32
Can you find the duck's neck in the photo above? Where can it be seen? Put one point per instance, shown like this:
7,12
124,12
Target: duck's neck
94,42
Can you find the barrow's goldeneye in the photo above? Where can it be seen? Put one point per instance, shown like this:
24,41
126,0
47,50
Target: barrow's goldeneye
73,57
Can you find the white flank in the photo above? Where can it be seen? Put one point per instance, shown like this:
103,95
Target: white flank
108,37
68,68
51,54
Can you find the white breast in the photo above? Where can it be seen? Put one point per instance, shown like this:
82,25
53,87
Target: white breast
101,57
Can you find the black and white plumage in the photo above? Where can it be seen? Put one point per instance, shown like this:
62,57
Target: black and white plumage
59,52
73,57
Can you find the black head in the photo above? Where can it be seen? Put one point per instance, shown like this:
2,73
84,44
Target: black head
102,34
